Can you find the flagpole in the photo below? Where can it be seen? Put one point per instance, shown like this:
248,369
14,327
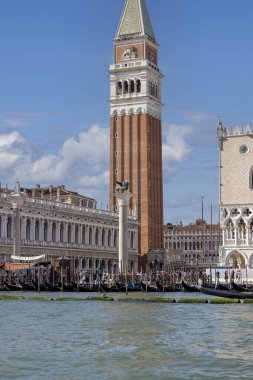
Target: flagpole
211,232
202,219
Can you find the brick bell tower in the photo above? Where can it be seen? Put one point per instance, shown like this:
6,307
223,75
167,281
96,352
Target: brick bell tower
135,123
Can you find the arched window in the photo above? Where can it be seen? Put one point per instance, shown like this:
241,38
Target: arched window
109,238
138,85
28,230
230,230
119,88
103,237
132,241
90,236
37,230
76,234
125,89
69,233
96,236
83,235
9,227
45,231
54,232
61,233
115,243
242,229
131,86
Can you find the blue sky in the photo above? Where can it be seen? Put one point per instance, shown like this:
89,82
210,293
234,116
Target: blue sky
54,91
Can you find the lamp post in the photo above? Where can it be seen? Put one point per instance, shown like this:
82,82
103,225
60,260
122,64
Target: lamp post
17,198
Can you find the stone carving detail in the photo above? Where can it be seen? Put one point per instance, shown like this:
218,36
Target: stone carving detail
129,53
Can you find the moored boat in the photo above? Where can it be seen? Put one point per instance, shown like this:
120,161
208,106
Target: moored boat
53,288
189,288
27,285
241,287
109,288
148,288
87,288
129,288
13,287
226,293
167,288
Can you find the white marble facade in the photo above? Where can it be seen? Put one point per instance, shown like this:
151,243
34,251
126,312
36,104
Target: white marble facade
236,195
56,229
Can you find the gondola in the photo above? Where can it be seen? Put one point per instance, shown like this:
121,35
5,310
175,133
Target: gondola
167,288
87,288
53,288
189,288
107,288
41,287
69,288
148,288
226,293
13,287
27,285
3,288
130,287
240,288
222,287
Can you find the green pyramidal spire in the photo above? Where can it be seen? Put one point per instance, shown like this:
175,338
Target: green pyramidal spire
135,21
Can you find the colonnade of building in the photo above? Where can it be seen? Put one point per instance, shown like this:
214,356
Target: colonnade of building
73,230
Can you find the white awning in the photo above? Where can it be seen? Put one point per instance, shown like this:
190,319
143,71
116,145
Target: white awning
27,258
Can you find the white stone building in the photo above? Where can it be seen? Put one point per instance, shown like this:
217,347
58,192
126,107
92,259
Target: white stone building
236,195
186,243
56,223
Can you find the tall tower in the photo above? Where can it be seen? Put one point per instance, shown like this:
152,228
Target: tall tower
135,124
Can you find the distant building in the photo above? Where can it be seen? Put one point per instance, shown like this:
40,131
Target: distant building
192,241
56,222
236,195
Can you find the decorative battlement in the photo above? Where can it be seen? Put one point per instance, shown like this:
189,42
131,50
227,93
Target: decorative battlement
235,131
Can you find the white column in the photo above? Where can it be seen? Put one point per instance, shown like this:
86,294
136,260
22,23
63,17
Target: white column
123,200
236,235
16,244
247,235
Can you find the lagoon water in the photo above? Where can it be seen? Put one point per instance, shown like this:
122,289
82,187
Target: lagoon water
97,340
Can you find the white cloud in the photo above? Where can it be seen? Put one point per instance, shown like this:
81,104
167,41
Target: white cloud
97,182
81,162
9,139
176,147
13,123
201,117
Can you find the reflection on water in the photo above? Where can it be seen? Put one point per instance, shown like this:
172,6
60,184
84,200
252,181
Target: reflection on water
115,340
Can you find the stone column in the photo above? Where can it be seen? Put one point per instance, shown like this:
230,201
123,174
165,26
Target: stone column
236,235
123,201
16,244
247,235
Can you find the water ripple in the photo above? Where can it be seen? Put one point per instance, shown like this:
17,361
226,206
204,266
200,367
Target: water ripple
100,340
